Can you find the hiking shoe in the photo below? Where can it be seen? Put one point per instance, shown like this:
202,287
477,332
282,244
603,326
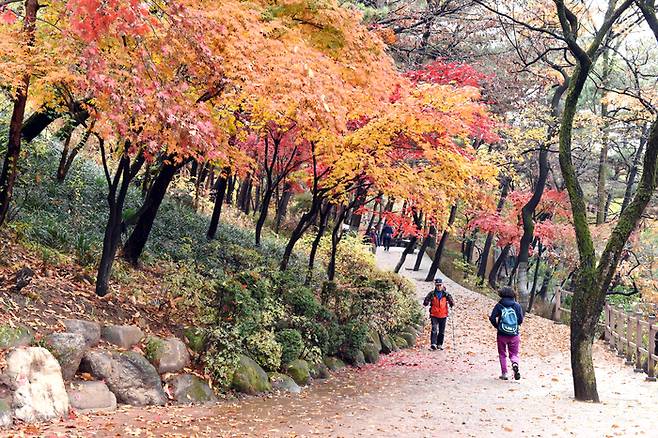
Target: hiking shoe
440,347
517,374
433,347
503,377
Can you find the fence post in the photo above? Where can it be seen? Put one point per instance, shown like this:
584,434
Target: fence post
651,364
557,314
621,346
638,342
613,319
629,338
606,323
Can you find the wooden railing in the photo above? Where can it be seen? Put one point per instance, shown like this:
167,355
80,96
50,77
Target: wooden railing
633,337
631,334
560,294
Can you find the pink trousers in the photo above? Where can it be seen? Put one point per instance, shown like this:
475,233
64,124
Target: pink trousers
508,344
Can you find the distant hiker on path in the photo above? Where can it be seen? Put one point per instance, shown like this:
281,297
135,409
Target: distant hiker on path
506,317
387,235
438,300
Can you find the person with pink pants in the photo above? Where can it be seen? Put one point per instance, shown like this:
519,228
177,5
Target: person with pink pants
506,317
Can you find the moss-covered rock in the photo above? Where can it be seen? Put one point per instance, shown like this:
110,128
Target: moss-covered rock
167,355
11,337
249,377
373,338
334,363
299,371
409,337
400,342
284,383
188,388
370,353
319,371
357,359
195,339
388,345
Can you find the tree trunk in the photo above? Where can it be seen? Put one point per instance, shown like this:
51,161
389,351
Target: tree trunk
442,243
118,189
495,269
10,165
324,219
601,194
219,201
632,173
132,249
282,209
230,189
264,209
535,279
304,222
412,243
426,242
484,258
336,235
66,160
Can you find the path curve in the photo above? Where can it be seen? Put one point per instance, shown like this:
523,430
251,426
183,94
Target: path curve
420,393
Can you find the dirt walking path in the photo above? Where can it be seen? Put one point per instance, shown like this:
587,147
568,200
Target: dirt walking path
419,393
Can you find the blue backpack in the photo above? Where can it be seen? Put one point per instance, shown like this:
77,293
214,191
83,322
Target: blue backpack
509,323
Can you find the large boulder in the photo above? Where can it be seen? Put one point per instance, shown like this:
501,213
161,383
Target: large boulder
284,383
358,359
195,339
400,342
91,396
68,349
249,377
373,338
188,388
124,336
334,363
411,329
167,355
38,388
11,337
409,337
89,329
319,371
299,370
370,353
129,376
388,345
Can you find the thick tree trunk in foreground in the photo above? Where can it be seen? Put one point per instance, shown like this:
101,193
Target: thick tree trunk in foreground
442,243
10,166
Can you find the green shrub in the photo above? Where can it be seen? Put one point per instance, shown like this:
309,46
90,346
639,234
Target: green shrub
222,353
302,300
335,338
355,334
291,344
264,349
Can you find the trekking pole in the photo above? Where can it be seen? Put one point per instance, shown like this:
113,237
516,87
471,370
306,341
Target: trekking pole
452,322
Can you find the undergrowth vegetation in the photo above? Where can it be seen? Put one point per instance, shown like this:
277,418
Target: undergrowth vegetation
229,287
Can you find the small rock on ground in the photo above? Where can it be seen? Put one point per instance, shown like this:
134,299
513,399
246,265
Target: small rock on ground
91,396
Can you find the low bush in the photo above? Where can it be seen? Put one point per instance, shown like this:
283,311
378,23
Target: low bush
291,344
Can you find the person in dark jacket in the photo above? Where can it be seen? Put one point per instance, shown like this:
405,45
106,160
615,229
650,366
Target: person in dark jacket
387,235
506,317
438,300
